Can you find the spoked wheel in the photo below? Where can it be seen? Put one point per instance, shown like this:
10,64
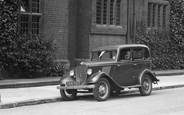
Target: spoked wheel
101,91
146,85
68,95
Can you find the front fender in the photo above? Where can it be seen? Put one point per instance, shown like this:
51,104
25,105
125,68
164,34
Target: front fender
152,76
65,79
96,76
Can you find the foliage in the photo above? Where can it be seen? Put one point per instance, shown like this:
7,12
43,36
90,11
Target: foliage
31,54
177,23
167,48
8,26
21,55
163,51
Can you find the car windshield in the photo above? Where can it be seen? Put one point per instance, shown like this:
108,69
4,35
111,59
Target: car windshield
104,55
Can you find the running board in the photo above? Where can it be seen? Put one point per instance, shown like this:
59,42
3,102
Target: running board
129,87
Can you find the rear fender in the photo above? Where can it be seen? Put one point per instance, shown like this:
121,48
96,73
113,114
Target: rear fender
151,74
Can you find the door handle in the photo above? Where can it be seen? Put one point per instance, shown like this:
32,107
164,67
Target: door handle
135,64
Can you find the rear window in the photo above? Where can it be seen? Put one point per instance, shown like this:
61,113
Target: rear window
138,54
141,53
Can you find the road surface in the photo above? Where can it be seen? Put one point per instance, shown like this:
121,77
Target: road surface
161,102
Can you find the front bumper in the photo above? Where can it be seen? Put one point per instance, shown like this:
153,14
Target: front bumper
76,87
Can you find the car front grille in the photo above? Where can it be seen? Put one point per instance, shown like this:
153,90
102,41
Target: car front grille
81,74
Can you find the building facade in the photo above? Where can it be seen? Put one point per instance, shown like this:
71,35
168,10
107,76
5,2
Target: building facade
78,26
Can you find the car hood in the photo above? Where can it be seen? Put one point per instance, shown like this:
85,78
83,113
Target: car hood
97,63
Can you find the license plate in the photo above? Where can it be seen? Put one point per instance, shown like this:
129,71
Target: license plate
71,83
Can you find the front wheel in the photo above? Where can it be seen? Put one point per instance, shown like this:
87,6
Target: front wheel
146,85
68,95
101,91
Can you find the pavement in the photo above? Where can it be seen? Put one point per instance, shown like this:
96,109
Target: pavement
24,92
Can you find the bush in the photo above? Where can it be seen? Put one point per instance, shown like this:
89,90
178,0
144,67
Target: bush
165,54
30,54
21,55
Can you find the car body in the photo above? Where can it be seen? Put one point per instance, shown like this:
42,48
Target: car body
110,70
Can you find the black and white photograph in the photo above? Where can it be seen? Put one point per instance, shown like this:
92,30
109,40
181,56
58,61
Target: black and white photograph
91,57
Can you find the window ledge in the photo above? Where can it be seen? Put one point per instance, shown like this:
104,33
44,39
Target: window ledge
109,26
28,13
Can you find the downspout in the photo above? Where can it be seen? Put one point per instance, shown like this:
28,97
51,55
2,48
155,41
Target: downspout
134,19
128,21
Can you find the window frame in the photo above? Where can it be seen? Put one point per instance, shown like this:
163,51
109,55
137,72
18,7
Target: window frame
108,12
110,29
155,14
30,16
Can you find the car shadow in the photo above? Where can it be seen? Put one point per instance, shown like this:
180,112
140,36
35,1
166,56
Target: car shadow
122,95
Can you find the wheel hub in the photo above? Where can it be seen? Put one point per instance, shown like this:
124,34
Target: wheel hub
146,85
102,90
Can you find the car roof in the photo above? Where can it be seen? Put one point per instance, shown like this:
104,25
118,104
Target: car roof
113,47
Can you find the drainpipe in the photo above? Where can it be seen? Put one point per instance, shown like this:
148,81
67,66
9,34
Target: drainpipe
128,21
134,19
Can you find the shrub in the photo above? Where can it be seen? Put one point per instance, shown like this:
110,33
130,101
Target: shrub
30,54
165,54
21,55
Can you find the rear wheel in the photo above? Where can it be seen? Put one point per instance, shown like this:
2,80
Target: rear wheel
68,95
101,91
146,85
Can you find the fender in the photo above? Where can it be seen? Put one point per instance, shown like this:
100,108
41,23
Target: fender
96,76
151,74
65,79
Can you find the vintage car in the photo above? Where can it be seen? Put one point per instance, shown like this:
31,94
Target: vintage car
110,70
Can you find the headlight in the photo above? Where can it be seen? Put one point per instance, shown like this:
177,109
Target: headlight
89,71
72,72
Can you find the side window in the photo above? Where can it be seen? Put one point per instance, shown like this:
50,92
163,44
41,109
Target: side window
138,54
146,53
125,54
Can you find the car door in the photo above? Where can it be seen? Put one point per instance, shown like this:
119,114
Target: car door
139,63
124,69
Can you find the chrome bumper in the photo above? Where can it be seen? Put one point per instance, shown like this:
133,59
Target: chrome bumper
76,87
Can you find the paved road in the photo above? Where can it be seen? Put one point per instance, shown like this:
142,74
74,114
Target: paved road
15,97
161,102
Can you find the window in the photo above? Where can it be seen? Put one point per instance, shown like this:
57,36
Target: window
108,12
149,14
164,16
153,15
156,15
159,21
125,54
138,54
146,53
104,55
30,15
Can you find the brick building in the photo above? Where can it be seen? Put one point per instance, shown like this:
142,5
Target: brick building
78,26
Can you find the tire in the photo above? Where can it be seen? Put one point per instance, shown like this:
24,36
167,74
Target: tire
146,85
68,95
101,91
